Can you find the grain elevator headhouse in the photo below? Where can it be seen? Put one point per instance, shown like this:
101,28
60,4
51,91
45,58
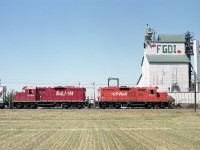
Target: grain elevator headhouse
170,61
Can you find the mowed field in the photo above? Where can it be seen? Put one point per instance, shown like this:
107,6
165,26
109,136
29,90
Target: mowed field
50,129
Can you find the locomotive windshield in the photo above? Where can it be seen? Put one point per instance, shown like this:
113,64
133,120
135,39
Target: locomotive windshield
30,91
152,92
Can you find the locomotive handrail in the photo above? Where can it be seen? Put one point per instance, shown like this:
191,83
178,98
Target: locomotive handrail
117,79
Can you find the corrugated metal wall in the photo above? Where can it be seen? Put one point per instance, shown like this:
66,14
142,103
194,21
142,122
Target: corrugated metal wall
185,97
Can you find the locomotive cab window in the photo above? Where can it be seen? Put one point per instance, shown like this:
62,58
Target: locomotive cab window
152,92
30,91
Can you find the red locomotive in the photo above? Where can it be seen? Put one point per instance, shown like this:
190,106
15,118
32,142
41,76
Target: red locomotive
117,97
33,97
75,97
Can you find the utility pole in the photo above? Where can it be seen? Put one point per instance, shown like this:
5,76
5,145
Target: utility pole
195,92
94,103
94,90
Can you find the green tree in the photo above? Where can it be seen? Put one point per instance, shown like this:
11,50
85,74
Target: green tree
9,97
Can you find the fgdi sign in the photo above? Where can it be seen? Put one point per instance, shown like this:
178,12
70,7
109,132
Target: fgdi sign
168,49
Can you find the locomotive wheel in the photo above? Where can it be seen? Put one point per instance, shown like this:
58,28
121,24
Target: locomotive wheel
80,106
18,106
117,106
65,106
103,106
149,106
26,106
33,106
162,106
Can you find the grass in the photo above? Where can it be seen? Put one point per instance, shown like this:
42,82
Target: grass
50,129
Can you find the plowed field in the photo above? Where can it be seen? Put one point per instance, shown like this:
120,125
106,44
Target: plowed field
50,129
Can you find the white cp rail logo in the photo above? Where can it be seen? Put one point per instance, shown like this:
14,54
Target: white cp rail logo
119,94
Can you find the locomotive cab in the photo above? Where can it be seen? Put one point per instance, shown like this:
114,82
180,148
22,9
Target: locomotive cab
25,99
27,94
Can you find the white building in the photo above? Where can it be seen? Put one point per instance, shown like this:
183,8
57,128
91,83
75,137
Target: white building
167,63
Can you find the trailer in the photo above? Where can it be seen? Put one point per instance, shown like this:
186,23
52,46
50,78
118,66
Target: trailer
2,96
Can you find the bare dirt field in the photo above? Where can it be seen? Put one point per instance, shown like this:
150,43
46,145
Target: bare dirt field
45,129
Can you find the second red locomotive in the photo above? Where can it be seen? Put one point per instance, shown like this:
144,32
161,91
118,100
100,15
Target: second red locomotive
117,97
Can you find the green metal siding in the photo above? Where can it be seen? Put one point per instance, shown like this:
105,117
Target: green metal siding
167,59
171,38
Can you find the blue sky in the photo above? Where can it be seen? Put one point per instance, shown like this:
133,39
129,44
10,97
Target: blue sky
66,42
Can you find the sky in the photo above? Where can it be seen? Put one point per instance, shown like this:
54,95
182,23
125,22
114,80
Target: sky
67,42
